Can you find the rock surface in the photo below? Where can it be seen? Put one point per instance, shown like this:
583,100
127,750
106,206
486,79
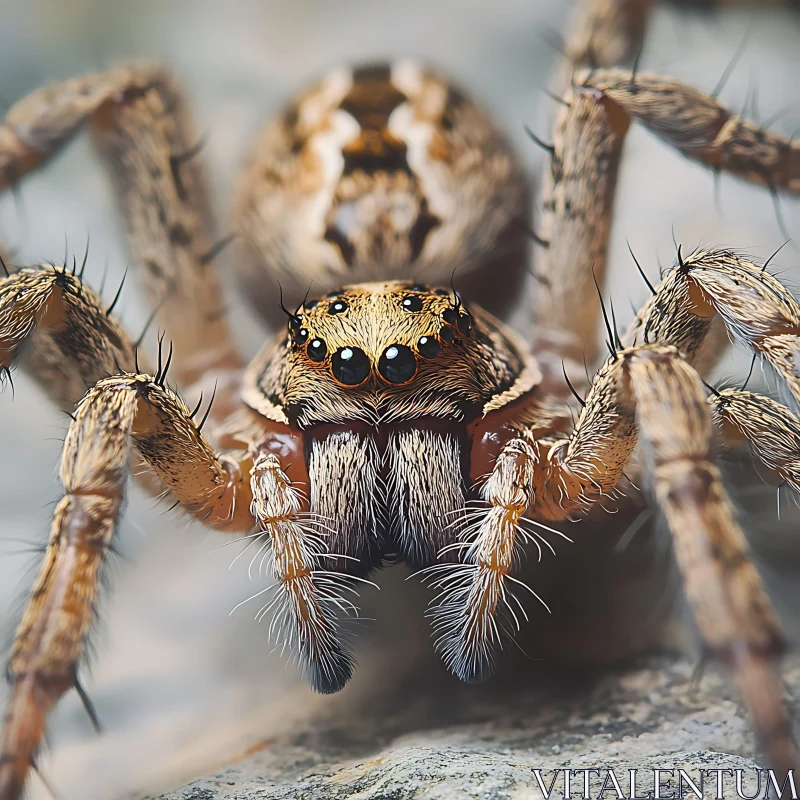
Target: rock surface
654,716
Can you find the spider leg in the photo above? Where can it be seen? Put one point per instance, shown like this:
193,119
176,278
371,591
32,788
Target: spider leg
653,392
140,121
308,596
771,430
700,127
76,342
577,200
119,412
578,188
589,130
711,293
754,307
473,591
733,613
606,32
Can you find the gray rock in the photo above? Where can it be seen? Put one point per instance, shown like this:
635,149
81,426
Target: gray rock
655,716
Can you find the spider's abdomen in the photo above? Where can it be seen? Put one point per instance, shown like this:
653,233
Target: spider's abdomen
377,171
382,353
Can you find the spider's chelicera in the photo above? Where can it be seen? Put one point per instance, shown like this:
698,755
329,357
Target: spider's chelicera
392,418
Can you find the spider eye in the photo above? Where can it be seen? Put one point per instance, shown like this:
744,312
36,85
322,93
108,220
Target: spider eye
428,347
317,350
337,307
450,315
417,287
464,323
350,366
397,364
311,305
300,336
446,335
412,303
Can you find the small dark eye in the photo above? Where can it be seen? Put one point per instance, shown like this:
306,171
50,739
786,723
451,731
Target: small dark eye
417,287
350,366
428,347
450,315
397,364
464,323
441,292
311,305
337,307
317,350
412,303
301,336
446,335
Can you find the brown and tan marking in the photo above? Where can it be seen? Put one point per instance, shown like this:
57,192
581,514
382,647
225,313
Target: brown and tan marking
379,172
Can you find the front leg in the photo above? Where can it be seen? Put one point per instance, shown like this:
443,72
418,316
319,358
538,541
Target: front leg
307,594
120,412
473,592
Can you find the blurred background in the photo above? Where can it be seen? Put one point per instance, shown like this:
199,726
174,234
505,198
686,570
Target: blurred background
181,685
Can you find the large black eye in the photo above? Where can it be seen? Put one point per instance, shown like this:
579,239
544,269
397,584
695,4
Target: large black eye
428,347
446,334
397,364
412,303
317,350
450,315
337,307
350,366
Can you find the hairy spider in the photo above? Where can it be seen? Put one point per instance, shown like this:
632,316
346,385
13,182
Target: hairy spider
394,419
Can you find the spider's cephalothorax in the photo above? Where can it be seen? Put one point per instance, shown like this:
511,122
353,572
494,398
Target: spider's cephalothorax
394,419
388,352
388,384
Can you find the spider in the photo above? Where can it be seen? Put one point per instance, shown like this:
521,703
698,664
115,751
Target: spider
394,418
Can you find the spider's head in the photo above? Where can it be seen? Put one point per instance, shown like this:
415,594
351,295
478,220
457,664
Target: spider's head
381,352
380,334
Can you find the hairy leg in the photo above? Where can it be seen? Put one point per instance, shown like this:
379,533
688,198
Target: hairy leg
308,592
589,130
141,124
707,286
67,338
474,591
121,411
652,392
700,127
578,189
605,33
